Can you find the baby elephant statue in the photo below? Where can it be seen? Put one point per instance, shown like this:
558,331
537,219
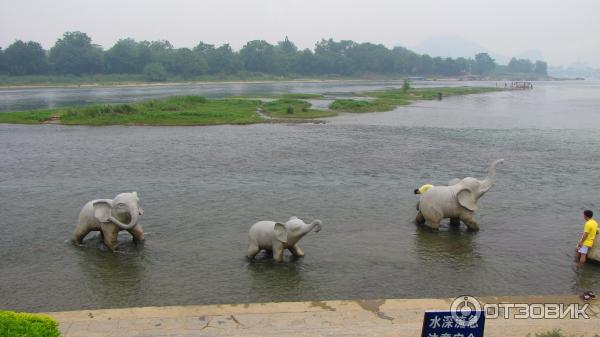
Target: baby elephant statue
109,216
457,201
276,237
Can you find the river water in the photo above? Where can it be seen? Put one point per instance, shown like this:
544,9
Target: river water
203,187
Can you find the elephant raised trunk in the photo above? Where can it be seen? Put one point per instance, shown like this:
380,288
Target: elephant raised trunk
317,225
489,181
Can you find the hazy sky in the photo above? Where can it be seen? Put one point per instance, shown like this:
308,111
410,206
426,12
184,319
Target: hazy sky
564,31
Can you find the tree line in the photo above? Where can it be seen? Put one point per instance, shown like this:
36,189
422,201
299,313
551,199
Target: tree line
75,54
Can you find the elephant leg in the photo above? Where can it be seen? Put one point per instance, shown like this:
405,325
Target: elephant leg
470,222
455,222
278,253
433,224
253,249
295,249
80,233
110,232
419,219
137,233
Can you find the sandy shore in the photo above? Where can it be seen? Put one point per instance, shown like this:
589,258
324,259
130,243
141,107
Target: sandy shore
391,317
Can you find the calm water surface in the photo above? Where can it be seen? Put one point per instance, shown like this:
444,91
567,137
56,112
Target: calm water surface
202,188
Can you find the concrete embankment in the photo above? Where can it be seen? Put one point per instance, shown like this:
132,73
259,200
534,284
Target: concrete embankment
391,317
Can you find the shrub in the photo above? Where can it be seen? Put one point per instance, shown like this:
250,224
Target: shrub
405,86
27,325
155,72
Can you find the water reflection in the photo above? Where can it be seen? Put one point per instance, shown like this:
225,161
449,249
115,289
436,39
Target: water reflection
111,278
276,281
450,243
586,277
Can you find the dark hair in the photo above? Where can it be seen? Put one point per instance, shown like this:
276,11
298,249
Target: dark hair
416,191
588,213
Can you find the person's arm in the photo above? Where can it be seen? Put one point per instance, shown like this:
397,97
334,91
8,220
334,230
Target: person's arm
583,237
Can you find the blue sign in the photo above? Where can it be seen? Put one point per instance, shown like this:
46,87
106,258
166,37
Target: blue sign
453,323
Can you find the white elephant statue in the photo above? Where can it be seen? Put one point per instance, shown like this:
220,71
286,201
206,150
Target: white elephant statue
110,216
276,237
457,201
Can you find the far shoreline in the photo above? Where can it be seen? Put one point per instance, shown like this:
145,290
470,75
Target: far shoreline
126,84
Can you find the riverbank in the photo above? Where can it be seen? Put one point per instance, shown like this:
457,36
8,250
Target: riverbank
197,110
95,81
391,317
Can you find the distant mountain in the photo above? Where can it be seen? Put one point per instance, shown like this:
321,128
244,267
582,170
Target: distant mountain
574,70
449,46
456,46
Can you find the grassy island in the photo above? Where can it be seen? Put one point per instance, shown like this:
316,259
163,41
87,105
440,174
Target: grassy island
197,110
386,100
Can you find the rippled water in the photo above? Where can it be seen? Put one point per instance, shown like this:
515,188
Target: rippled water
202,188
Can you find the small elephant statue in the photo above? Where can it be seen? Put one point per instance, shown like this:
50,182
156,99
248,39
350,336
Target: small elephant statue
277,237
110,216
457,201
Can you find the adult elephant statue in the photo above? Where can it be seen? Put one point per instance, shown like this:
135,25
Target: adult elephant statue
110,216
277,237
457,201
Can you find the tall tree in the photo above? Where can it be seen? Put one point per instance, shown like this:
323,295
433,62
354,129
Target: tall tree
127,57
483,64
25,58
258,56
186,63
520,66
75,54
225,60
2,62
541,68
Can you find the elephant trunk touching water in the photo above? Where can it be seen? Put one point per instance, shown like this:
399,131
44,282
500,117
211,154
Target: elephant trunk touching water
109,216
277,237
458,201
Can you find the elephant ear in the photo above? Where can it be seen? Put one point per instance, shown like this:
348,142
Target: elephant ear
280,232
466,199
102,209
453,181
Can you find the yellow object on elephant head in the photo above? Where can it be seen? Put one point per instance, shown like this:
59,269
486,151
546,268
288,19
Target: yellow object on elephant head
425,188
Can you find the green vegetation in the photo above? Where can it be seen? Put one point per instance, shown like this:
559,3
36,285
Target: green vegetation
27,325
294,108
75,54
354,105
386,100
26,117
185,110
197,110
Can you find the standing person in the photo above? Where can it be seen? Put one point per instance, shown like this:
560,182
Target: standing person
590,228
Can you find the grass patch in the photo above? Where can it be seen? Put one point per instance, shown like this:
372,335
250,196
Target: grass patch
386,100
185,110
180,110
294,108
26,117
27,325
354,105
